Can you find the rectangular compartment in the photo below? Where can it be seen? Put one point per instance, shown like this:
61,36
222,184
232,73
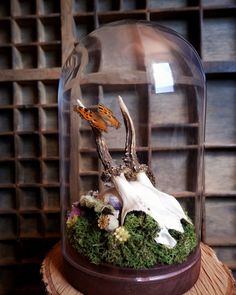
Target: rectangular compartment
173,108
49,56
86,139
163,4
49,7
174,170
105,18
221,114
88,162
29,172
87,183
226,254
5,8
49,119
108,5
7,255
220,167
82,26
82,5
142,157
8,226
24,31
5,31
25,93
23,7
53,223
50,172
30,225
5,57
7,172
6,146
51,197
90,94
33,249
48,92
220,220
50,145
219,38
134,97
30,198
25,57
15,279
49,29
225,3
133,4
188,206
117,157
6,120
185,23
6,93
180,25
28,145
27,119
173,137
7,198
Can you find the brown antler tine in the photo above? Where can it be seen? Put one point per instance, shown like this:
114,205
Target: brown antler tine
130,157
102,149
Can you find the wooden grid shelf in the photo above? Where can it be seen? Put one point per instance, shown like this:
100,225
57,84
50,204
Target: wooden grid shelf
36,37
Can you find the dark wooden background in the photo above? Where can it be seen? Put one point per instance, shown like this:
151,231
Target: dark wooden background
36,37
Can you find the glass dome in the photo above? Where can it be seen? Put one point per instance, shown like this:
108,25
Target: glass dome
132,121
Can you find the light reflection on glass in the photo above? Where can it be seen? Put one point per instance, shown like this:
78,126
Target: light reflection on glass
163,77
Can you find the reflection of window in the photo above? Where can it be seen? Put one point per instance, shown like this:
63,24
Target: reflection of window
163,77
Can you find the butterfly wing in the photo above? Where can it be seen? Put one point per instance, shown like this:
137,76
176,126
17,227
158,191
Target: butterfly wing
107,116
95,120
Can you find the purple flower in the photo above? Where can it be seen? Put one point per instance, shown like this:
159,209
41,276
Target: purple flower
75,211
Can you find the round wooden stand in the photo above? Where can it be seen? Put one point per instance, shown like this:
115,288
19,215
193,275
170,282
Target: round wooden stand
215,278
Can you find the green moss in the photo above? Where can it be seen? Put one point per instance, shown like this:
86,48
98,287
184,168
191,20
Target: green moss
139,251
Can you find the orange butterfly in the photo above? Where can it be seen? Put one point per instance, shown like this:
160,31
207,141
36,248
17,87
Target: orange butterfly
100,119
108,116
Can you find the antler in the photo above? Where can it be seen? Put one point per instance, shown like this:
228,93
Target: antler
130,158
132,165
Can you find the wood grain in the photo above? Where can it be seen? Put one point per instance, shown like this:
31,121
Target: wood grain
215,278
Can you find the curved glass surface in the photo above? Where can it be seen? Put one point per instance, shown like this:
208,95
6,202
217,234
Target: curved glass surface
160,78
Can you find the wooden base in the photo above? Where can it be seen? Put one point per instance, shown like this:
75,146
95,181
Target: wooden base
214,279
161,279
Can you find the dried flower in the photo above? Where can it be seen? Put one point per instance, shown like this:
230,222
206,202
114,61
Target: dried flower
98,205
73,215
87,201
121,234
71,221
103,221
75,211
108,222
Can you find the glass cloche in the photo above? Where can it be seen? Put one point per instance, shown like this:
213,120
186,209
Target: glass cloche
132,121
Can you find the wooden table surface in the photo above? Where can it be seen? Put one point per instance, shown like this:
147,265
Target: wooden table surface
215,278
